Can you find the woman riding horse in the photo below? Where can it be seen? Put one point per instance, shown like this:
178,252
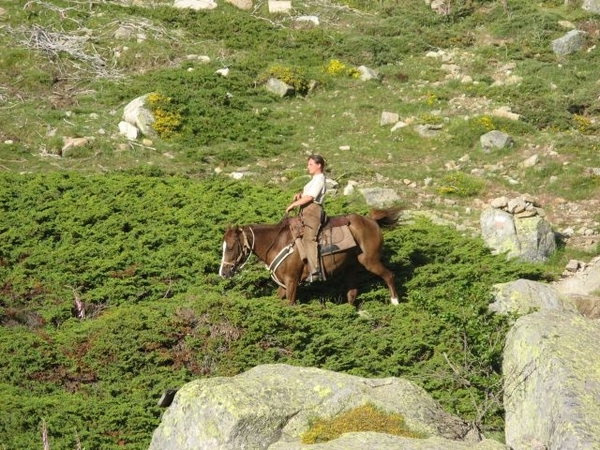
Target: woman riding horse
310,201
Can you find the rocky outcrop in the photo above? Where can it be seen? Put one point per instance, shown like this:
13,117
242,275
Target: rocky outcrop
380,441
137,118
551,372
551,389
270,406
526,296
552,382
495,140
571,42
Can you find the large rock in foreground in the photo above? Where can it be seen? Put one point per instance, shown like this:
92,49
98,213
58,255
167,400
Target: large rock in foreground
270,406
552,382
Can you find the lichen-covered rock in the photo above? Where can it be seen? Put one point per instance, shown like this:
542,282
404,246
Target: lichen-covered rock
498,231
275,403
526,296
536,238
527,238
552,382
379,441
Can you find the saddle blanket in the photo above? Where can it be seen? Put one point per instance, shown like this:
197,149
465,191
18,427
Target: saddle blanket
336,239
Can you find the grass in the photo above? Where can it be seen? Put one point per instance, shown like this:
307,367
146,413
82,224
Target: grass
56,95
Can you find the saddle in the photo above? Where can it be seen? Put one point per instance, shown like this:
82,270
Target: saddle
334,235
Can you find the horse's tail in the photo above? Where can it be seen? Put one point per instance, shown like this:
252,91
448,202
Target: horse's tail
386,217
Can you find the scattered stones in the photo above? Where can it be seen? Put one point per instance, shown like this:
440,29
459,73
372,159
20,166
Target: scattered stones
388,118
367,74
279,6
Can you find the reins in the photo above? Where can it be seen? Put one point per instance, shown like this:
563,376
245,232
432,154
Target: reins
246,245
248,248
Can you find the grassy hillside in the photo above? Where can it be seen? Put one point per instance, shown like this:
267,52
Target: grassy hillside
129,233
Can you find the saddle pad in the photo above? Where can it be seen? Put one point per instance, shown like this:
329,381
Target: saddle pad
336,239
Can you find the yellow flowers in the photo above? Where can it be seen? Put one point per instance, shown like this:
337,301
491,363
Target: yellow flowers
486,123
293,76
337,68
166,123
582,123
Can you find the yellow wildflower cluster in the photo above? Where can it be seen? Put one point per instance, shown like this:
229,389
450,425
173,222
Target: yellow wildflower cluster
431,99
292,76
166,122
337,68
582,123
430,119
486,123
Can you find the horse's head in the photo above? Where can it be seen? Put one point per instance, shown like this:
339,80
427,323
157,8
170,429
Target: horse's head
236,251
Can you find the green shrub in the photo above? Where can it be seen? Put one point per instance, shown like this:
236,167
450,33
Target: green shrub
460,184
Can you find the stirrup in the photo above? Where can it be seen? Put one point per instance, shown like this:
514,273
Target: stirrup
317,275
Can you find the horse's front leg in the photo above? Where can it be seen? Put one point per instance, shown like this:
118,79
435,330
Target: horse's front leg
281,292
291,291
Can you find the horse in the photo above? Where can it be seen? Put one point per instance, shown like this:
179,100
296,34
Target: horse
277,247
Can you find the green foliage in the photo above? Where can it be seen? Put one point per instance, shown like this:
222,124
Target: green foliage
141,251
460,184
224,112
362,418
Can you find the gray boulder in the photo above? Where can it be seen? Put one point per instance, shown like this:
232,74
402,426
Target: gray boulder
379,441
379,197
571,42
367,74
552,382
536,238
528,238
270,406
279,88
592,6
137,114
495,139
526,296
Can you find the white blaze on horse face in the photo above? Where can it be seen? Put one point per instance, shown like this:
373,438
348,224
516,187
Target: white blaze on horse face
223,260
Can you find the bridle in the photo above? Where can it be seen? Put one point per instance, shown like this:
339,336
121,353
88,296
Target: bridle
245,252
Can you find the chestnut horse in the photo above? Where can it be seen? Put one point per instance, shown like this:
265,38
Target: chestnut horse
274,246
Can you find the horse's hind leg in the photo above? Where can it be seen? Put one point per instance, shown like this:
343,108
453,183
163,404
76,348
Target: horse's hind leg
351,284
375,266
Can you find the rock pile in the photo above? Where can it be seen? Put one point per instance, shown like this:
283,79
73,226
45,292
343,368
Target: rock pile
518,228
521,207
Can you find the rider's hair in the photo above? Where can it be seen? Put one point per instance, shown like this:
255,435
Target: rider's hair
319,160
